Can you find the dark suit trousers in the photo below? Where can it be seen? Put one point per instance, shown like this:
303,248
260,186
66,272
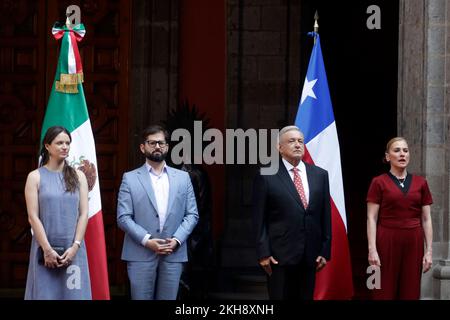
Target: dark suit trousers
295,282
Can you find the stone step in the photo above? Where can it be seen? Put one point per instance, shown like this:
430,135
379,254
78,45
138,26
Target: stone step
242,283
250,283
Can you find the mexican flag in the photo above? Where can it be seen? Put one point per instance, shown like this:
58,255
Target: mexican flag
67,107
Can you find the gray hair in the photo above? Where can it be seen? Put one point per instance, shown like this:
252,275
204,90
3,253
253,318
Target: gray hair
287,129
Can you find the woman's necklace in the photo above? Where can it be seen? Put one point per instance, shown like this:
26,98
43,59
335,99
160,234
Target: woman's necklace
401,181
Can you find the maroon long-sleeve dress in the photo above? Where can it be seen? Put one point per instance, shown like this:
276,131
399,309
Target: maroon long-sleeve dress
400,238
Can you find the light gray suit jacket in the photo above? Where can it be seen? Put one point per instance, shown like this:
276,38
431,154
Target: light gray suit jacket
137,214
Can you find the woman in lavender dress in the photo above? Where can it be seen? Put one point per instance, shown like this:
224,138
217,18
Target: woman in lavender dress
57,203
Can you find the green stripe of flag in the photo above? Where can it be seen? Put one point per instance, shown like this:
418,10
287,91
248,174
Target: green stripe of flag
65,109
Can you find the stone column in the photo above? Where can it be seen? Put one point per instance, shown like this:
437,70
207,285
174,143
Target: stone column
423,104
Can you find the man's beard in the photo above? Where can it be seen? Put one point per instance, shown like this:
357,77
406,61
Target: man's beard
156,157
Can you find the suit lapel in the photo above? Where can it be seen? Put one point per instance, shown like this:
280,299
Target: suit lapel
173,188
285,178
144,179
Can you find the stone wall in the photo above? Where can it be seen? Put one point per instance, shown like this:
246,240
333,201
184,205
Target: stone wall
423,114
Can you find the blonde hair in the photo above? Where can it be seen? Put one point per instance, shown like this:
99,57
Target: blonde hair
389,145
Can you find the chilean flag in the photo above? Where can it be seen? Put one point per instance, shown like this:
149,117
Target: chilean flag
316,120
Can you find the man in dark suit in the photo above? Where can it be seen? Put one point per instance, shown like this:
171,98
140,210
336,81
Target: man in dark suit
292,216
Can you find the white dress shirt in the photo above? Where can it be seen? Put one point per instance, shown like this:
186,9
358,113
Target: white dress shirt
160,184
302,171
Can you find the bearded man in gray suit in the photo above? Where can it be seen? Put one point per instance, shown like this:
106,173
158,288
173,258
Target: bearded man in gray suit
157,211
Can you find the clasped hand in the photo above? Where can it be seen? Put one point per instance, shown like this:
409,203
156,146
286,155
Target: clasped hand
54,260
162,246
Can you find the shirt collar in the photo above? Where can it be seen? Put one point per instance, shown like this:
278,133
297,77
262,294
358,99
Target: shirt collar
301,166
152,171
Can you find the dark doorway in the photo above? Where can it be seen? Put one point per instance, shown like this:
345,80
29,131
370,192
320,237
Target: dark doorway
361,66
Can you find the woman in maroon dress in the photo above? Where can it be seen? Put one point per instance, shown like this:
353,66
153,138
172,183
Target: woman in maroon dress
399,229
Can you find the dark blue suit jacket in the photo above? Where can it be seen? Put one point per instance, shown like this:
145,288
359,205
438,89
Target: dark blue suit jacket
284,229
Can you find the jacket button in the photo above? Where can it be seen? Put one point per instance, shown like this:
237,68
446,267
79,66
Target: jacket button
157,216
157,230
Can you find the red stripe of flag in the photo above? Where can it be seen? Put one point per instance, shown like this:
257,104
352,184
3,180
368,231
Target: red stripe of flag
96,252
76,52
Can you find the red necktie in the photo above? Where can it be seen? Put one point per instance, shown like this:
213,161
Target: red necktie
299,186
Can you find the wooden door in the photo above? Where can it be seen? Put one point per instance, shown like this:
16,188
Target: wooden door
28,56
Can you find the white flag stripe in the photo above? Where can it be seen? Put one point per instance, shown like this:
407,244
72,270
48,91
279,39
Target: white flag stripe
72,68
324,151
83,145
81,32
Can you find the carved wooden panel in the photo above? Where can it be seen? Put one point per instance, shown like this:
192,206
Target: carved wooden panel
28,57
22,99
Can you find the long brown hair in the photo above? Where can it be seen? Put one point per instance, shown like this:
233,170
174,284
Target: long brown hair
69,173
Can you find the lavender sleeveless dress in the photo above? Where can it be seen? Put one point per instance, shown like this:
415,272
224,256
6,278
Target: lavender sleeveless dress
58,211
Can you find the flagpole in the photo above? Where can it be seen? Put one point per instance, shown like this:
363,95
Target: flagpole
67,107
316,25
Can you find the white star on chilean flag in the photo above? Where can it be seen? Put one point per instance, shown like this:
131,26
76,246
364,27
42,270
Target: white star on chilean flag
308,90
